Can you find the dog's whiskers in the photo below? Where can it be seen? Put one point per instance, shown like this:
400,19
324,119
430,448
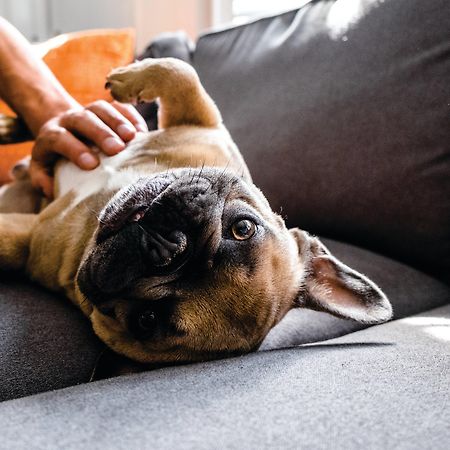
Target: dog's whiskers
84,301
219,178
211,184
201,171
94,213
193,176
169,168
222,175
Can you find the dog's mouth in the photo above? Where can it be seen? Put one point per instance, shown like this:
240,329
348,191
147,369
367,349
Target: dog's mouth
152,229
130,205
171,271
166,251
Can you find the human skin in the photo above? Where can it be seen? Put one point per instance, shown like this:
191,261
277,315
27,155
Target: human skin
61,126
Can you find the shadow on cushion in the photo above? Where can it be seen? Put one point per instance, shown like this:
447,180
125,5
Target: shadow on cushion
45,342
409,291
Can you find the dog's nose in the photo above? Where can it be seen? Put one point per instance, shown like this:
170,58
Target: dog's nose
163,249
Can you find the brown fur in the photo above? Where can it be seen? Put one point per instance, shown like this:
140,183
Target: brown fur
234,305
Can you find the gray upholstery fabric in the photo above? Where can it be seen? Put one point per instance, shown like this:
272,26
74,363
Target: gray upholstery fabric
346,128
341,112
176,45
409,291
385,387
45,343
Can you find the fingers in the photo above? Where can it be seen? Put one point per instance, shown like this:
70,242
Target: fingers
108,126
40,179
122,119
88,125
111,117
54,140
130,112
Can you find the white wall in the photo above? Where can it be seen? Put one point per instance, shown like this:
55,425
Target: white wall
40,19
73,15
156,16
29,16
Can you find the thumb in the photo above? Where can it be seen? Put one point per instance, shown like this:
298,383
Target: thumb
40,179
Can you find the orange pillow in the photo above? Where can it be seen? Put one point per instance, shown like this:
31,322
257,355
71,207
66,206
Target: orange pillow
81,62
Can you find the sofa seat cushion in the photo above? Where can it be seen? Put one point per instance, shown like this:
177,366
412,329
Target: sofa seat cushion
45,342
384,387
409,291
341,112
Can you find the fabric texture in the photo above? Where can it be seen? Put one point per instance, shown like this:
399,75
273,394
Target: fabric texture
81,62
385,387
342,120
341,112
45,342
409,291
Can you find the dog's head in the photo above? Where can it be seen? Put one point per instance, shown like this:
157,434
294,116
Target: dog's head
193,265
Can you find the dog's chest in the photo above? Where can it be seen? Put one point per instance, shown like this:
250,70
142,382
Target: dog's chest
111,173
150,153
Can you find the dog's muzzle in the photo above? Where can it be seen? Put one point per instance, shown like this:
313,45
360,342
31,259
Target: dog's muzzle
163,251
152,230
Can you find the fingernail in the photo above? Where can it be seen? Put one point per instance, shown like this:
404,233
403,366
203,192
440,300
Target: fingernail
142,128
112,145
125,130
87,161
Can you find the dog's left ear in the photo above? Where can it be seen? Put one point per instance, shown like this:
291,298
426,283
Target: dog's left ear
331,286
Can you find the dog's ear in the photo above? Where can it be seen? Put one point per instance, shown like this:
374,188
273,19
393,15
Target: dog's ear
331,286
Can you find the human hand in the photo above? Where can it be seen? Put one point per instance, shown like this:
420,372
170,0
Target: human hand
108,126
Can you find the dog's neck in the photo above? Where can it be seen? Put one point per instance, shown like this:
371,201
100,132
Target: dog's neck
107,176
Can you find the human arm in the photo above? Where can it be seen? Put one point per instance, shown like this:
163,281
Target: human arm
59,123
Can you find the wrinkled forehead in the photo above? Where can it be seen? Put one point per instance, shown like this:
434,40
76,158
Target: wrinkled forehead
248,193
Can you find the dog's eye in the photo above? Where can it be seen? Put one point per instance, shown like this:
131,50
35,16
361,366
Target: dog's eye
243,229
147,320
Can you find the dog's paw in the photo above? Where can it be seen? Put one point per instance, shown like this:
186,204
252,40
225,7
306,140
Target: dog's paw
145,80
126,84
183,100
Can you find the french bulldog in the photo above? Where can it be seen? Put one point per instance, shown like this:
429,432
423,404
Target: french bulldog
168,248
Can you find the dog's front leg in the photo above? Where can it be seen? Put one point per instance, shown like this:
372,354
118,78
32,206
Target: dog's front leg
15,235
183,100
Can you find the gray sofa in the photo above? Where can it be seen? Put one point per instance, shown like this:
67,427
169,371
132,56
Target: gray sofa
343,119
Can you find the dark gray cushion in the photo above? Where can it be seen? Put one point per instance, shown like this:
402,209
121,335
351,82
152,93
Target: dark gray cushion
346,131
176,45
409,291
45,343
341,112
382,388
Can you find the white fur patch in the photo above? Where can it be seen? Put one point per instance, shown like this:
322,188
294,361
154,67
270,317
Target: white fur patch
87,182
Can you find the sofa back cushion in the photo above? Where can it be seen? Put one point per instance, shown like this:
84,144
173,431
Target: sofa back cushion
341,110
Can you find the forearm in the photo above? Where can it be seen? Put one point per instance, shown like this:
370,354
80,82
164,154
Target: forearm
26,84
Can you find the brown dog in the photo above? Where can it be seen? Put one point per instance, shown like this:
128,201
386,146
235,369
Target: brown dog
168,247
